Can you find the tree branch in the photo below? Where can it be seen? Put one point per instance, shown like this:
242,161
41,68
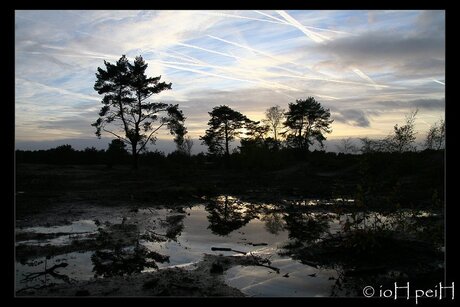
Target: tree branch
145,143
120,137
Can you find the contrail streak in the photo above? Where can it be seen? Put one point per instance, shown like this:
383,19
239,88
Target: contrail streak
318,38
205,72
240,17
252,49
362,75
256,80
271,74
169,55
272,17
327,97
238,71
192,59
269,56
275,20
239,58
59,90
262,53
208,50
309,27
335,81
437,81
268,84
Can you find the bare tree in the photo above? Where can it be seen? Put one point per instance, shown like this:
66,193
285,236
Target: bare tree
347,146
404,136
401,140
435,138
275,116
188,144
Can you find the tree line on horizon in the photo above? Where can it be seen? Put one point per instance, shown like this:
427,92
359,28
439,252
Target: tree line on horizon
126,89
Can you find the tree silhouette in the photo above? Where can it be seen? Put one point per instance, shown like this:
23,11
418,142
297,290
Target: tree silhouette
435,138
274,119
404,136
401,140
186,146
126,89
307,121
346,146
63,154
116,151
224,126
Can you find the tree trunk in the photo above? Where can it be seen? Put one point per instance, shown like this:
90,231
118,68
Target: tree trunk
226,141
135,157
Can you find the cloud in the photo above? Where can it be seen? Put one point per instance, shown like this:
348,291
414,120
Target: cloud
425,104
352,117
410,51
379,46
250,60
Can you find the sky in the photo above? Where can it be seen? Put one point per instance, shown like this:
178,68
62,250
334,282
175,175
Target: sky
370,68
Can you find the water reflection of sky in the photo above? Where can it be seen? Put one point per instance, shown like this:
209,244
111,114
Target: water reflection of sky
189,233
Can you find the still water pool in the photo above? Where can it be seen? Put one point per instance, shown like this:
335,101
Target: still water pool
185,235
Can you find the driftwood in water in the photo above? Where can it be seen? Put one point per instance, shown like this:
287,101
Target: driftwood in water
50,271
259,244
227,249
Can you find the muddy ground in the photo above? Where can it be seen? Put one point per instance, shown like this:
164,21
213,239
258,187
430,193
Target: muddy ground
204,279
119,227
57,195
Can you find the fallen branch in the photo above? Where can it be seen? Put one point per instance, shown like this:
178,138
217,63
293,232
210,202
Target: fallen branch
258,263
226,249
50,271
269,266
259,244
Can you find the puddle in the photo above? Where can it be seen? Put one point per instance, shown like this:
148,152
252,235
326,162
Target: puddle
294,279
147,239
77,269
56,235
80,226
198,238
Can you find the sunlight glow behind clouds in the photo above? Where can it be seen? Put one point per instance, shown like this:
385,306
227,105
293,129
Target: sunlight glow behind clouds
351,61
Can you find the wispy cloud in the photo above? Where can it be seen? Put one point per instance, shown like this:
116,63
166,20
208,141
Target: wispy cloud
367,67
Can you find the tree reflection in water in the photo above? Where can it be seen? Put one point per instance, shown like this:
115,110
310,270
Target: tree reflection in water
369,249
305,227
227,214
125,261
174,225
121,252
274,222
